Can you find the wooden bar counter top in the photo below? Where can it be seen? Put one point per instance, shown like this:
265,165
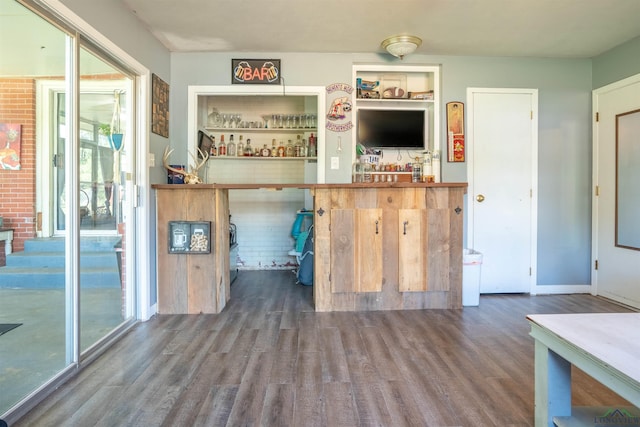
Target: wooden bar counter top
378,246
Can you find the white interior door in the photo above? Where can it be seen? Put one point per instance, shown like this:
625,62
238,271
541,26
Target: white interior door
618,268
502,162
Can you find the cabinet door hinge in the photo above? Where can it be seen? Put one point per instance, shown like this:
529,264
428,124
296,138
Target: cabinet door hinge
597,117
596,265
329,276
597,190
530,271
531,114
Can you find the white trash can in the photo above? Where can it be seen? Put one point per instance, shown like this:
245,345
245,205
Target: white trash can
471,263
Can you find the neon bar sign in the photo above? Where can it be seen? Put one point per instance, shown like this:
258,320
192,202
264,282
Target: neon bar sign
255,71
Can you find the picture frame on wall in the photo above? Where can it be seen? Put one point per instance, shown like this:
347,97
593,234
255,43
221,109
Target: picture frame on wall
159,106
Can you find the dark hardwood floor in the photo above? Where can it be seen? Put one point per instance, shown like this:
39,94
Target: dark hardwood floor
270,360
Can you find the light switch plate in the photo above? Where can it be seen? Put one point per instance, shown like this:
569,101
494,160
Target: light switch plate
152,160
335,163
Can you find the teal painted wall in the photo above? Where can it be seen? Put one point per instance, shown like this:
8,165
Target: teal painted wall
616,64
564,212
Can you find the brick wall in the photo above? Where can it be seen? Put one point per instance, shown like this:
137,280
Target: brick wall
17,187
264,218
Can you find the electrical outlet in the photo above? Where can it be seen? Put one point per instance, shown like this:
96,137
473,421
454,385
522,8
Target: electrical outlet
335,163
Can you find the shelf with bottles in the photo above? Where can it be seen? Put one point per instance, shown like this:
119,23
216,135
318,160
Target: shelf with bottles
260,130
259,158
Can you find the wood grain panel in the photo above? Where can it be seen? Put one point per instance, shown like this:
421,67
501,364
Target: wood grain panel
368,250
412,250
343,255
322,250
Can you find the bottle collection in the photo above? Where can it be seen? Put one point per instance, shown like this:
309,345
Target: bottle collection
301,148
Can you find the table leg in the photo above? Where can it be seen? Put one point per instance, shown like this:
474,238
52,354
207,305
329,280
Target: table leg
552,386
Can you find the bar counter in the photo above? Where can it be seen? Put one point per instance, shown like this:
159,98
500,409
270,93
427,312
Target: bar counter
378,246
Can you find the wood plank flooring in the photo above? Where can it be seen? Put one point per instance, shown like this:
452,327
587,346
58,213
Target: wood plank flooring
270,360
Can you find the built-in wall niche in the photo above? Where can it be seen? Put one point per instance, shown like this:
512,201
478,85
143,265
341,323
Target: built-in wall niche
263,218
396,90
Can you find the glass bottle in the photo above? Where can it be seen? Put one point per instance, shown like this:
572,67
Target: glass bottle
265,152
274,149
281,150
305,148
240,149
214,150
289,150
222,147
313,146
416,171
248,151
231,147
297,148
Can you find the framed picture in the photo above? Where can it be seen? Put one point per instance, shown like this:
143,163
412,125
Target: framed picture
455,131
189,237
159,106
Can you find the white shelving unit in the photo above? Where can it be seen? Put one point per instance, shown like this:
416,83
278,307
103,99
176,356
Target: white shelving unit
412,79
263,218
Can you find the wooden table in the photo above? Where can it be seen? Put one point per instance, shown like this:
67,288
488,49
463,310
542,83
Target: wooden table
604,345
6,234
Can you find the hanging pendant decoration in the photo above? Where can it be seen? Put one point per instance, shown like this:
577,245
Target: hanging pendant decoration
116,136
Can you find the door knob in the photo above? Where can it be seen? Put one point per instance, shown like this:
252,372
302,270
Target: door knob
480,198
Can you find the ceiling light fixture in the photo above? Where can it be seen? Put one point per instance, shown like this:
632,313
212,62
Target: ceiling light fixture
401,45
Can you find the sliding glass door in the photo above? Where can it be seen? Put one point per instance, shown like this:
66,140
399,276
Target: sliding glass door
67,287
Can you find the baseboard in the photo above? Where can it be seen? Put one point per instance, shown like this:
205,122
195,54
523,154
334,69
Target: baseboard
561,289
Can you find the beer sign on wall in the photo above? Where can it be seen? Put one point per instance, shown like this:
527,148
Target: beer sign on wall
255,71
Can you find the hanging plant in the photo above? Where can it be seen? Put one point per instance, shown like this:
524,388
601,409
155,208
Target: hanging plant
115,131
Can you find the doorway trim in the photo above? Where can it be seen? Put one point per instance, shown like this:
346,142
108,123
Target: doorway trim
471,91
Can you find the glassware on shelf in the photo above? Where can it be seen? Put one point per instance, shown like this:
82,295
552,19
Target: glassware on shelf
213,119
225,120
266,118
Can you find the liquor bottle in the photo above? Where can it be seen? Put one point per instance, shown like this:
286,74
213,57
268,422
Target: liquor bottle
265,152
313,146
222,147
297,148
248,151
231,147
281,151
289,150
305,148
213,151
240,148
274,149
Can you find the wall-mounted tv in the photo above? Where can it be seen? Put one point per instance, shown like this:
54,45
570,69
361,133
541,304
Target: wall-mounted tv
391,128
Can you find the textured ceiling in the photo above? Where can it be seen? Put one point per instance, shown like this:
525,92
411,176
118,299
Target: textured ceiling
532,28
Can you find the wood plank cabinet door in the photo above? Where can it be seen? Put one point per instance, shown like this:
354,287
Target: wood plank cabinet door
356,250
412,250
368,258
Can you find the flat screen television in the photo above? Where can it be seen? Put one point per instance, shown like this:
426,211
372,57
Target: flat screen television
391,128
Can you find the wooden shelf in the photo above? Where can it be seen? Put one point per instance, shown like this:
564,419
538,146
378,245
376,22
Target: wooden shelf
260,158
261,130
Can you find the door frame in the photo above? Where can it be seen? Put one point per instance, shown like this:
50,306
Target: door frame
533,239
46,138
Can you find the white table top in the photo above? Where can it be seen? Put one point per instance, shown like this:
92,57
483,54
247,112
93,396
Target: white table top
613,338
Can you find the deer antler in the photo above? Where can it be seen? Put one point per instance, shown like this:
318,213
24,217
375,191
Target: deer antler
189,177
197,166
